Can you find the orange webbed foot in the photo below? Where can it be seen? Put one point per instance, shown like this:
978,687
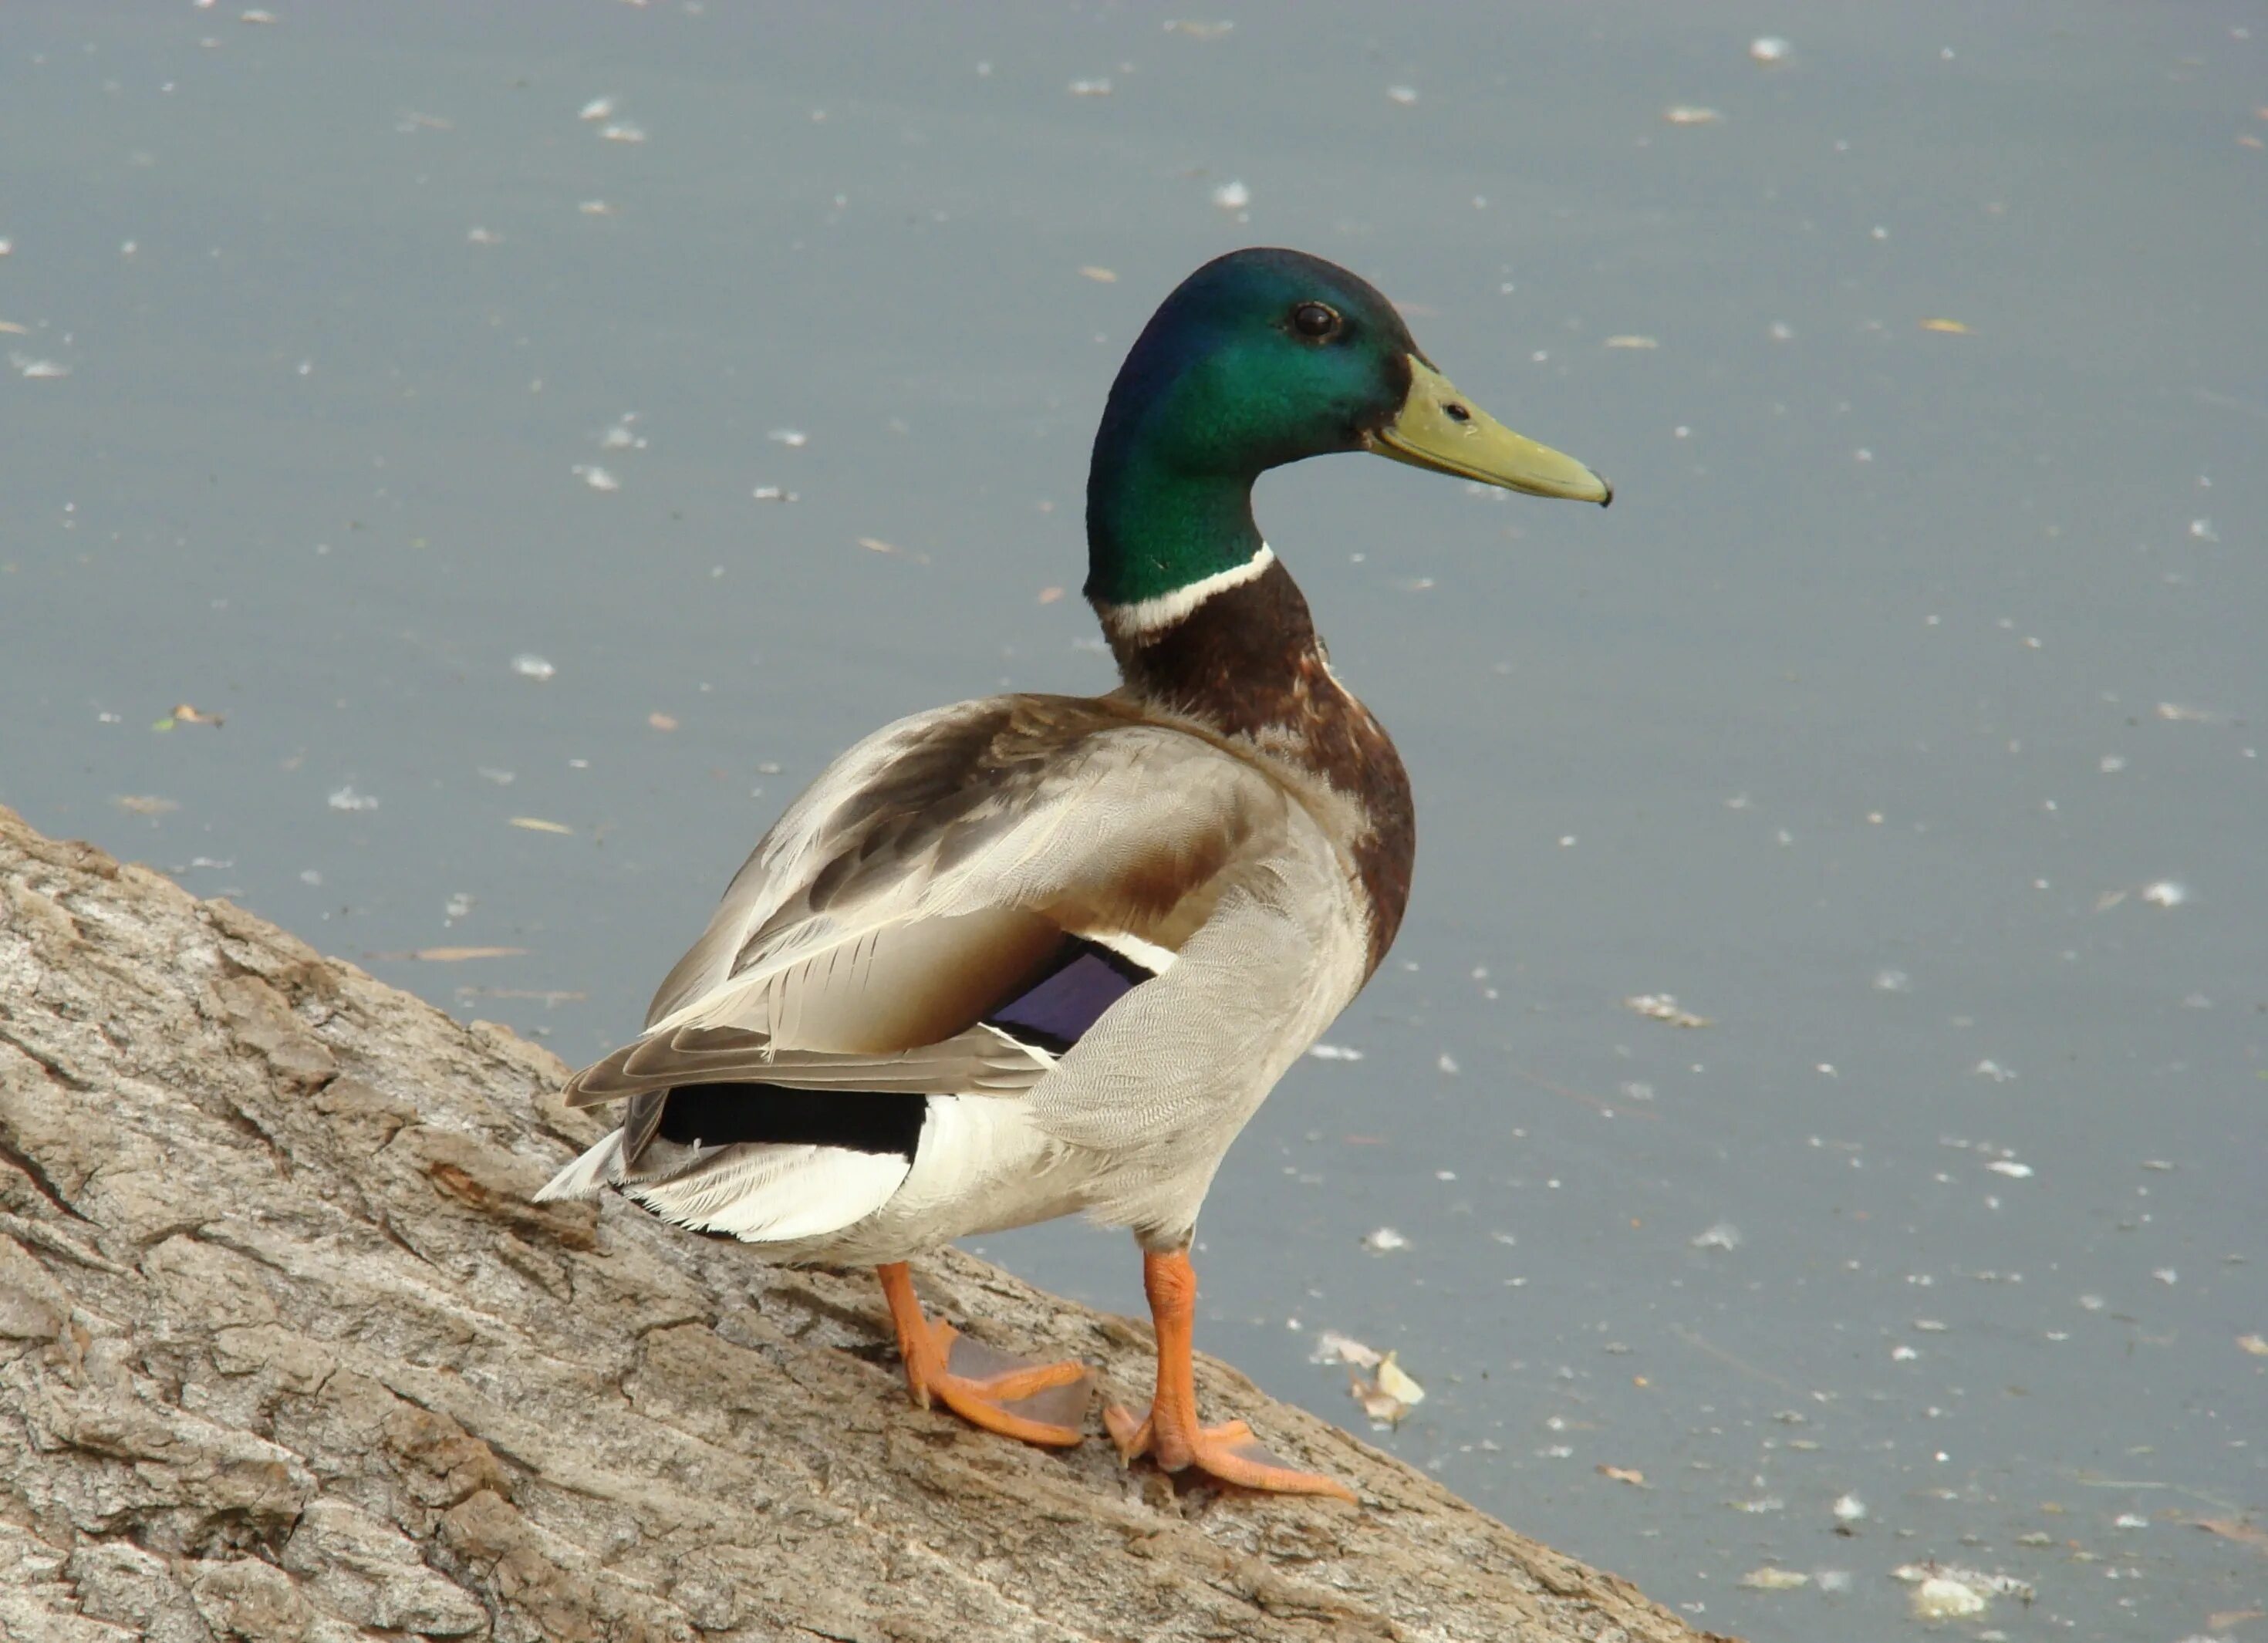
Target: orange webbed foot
1017,1397
1170,1432
1227,1452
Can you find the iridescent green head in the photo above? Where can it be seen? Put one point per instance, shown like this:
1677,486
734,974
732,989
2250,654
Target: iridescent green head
1261,358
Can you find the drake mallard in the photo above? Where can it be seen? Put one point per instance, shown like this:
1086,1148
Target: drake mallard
1038,955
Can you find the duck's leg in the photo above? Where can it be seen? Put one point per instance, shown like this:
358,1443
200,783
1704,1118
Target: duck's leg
1171,1433
1015,1397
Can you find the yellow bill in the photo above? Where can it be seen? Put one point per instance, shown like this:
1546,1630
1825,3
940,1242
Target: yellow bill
1440,429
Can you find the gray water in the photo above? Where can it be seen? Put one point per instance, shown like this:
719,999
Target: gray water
1902,719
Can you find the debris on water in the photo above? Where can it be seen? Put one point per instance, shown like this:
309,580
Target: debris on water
598,108
1760,1506
1632,341
479,236
1848,1510
875,544
2166,893
595,208
1768,50
2204,531
1231,196
1383,1240
2183,713
1097,87
1951,327
1099,275
528,665
661,721
598,478
1331,1347
184,714
1405,95
1770,1580
492,773
623,131
146,804
454,955
2130,1520
794,438
1723,1236
1661,1006
1447,1065
2011,1168
1893,981
1388,1395
537,824
2255,1343
1629,1475
256,17
458,906
1948,1592
1991,1069
1937,1598
622,435
38,370
1690,115
1334,1052
774,493
1196,30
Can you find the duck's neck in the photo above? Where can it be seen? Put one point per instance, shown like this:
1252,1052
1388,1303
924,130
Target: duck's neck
1238,651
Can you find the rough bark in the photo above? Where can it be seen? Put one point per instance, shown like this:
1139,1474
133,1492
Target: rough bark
285,1352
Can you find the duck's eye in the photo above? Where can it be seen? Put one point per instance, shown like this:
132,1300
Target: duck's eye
1315,321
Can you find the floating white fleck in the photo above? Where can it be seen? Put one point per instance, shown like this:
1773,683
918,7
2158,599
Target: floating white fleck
347,799
1405,95
2203,530
1660,1006
2166,893
1770,1580
1335,1052
527,665
458,906
1893,981
1768,50
1447,1063
1383,1238
1903,1355
623,131
1836,1580
1332,1347
2011,1168
1991,1069
598,108
2167,1275
479,236
1938,1598
595,208
37,369
772,493
598,478
1850,1509
1761,1506
2110,764
1097,87
1723,1236
309,875
2130,1520
1231,196
794,438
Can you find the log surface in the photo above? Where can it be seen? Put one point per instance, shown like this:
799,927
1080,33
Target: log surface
286,1353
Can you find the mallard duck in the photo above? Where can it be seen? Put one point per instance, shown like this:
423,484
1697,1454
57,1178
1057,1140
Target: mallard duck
1038,955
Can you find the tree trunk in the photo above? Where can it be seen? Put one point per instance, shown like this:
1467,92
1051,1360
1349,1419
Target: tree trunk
286,1353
